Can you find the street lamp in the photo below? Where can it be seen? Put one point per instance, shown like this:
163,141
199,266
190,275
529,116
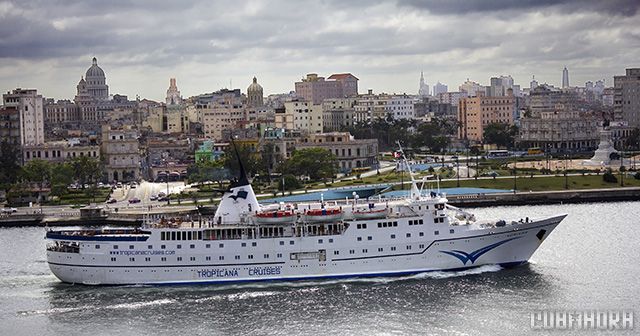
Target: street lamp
458,170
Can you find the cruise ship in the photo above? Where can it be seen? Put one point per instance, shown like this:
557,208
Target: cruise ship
245,241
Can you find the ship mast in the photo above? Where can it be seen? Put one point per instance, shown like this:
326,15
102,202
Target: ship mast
415,191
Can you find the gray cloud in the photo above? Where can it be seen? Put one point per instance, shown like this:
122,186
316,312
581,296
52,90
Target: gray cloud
141,44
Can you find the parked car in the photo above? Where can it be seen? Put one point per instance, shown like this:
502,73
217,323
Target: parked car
153,198
134,200
161,194
163,198
9,210
112,200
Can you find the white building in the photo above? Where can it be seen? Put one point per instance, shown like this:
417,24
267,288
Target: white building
29,106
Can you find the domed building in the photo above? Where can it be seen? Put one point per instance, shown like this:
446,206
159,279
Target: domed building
255,93
96,82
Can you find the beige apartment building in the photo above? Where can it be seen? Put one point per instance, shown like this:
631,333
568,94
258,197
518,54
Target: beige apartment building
351,153
475,113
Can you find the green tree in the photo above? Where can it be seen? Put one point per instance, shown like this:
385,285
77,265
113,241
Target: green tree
632,141
9,164
314,162
85,169
500,134
247,156
290,182
37,171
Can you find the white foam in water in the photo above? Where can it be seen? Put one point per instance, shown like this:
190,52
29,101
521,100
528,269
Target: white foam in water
136,305
453,274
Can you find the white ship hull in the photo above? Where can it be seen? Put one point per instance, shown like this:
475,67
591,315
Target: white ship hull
296,258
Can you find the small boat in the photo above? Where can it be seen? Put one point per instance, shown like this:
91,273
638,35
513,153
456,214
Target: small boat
275,217
323,215
371,213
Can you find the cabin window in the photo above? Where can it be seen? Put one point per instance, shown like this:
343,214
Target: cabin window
221,258
352,251
189,235
291,242
393,248
192,246
163,246
179,246
421,234
365,251
359,238
451,231
162,235
184,235
208,246
408,235
393,236
150,247
421,246
237,257
147,259
254,244
221,246
132,259
113,258
420,221
379,224
279,255
436,233
193,258
173,236
163,258
179,259
266,256
131,247
244,244
330,240
207,258
319,241
369,238
408,247
179,236
115,247
380,249
281,242
199,235
395,223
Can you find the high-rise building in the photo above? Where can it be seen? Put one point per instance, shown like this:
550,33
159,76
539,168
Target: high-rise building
626,101
475,113
23,109
565,78
316,89
534,83
439,88
423,91
173,95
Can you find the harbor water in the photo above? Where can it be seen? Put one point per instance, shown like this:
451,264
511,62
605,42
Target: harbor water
589,263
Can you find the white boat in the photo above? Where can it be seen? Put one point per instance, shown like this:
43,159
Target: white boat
275,217
371,212
323,215
420,234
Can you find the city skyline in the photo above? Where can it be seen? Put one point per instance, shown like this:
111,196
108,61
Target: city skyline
207,46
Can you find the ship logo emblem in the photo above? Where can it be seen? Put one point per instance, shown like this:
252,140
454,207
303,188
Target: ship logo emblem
240,194
473,256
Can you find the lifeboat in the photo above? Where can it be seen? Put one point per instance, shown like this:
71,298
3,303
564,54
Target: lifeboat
323,215
275,217
372,213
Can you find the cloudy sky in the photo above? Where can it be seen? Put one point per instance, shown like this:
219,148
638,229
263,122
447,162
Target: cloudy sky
207,45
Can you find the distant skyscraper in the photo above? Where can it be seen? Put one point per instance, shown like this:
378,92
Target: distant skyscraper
439,88
565,78
173,95
424,88
25,106
534,83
